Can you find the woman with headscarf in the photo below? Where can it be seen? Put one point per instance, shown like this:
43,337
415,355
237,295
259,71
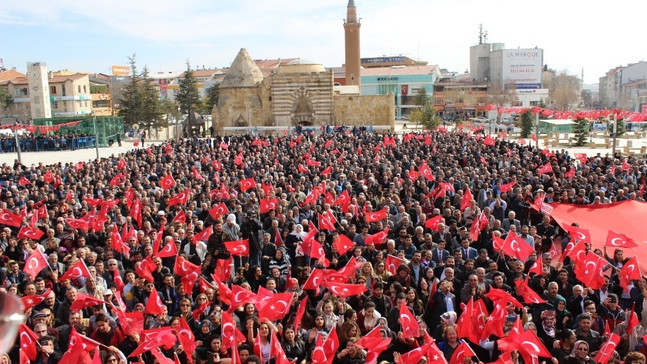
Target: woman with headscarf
546,330
579,355
295,239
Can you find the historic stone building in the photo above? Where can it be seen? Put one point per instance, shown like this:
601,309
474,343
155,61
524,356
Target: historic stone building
299,92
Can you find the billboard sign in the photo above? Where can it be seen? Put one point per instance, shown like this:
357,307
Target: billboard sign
120,71
522,67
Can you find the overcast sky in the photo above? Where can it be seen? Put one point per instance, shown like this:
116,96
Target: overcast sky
94,35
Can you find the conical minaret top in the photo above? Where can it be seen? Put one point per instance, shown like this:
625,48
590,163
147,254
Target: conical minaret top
351,29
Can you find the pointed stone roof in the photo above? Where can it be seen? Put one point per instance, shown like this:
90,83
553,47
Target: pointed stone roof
243,72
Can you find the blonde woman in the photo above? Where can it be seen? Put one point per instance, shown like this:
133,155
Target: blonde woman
368,274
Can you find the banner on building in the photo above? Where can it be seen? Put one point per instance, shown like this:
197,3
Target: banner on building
120,71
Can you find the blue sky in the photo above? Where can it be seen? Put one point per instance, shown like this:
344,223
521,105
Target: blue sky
94,35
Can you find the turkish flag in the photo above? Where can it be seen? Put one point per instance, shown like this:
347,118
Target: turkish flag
32,300
183,267
218,211
239,248
10,219
145,269
579,234
228,330
607,349
327,171
303,304
180,199
630,271
503,297
169,250
35,263
345,289
619,240
461,352
527,343
196,174
247,184
537,267
277,306
507,187
268,204
188,281
377,239
83,301
28,340
515,246
546,168
413,175
392,263
489,141
180,218
495,322
30,233
570,174
136,212
497,243
216,165
78,270
529,296
433,222
327,221
589,270
410,327
92,202
77,224
466,199
24,181
241,296
343,244
315,280
154,306
153,339
465,326
222,272
48,177
426,172
376,215
167,182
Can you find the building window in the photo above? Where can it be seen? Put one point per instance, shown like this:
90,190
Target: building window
85,90
534,103
55,105
438,101
52,90
78,88
22,92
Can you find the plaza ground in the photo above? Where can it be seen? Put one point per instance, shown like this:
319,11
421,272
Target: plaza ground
630,143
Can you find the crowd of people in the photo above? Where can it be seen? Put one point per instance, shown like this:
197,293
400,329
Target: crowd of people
30,142
405,223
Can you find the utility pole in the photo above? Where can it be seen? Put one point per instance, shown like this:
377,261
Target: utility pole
537,130
96,137
15,134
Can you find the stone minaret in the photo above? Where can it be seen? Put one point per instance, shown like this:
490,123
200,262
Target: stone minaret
351,30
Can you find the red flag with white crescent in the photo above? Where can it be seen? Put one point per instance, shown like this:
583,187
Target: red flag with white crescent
35,263
239,248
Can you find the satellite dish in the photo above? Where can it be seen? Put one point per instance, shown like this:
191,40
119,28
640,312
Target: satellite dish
11,316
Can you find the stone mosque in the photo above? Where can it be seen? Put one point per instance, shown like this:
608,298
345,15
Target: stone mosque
300,92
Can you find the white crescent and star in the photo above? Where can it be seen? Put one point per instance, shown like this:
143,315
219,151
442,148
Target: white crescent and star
533,345
622,242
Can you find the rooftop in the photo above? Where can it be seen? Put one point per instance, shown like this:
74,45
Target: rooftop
400,70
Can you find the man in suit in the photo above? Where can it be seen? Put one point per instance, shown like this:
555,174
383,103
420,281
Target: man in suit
468,251
443,301
169,295
439,254
511,220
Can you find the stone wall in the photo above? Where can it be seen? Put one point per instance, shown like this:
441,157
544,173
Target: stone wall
241,106
302,98
364,110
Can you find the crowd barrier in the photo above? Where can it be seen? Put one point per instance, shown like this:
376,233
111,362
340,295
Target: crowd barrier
8,145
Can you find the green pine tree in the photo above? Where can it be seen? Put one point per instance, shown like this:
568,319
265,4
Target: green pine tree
188,96
140,103
210,99
581,130
526,123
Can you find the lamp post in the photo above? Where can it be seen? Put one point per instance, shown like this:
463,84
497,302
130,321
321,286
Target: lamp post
15,134
615,131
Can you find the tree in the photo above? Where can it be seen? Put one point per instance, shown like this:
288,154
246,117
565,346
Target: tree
210,99
620,129
502,96
526,123
581,130
422,97
139,103
170,110
426,116
188,96
5,98
563,90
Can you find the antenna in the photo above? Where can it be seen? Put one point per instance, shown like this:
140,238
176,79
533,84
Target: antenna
482,35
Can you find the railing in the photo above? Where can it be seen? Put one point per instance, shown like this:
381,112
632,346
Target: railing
41,145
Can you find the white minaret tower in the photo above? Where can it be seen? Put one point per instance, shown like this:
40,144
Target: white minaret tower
38,90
